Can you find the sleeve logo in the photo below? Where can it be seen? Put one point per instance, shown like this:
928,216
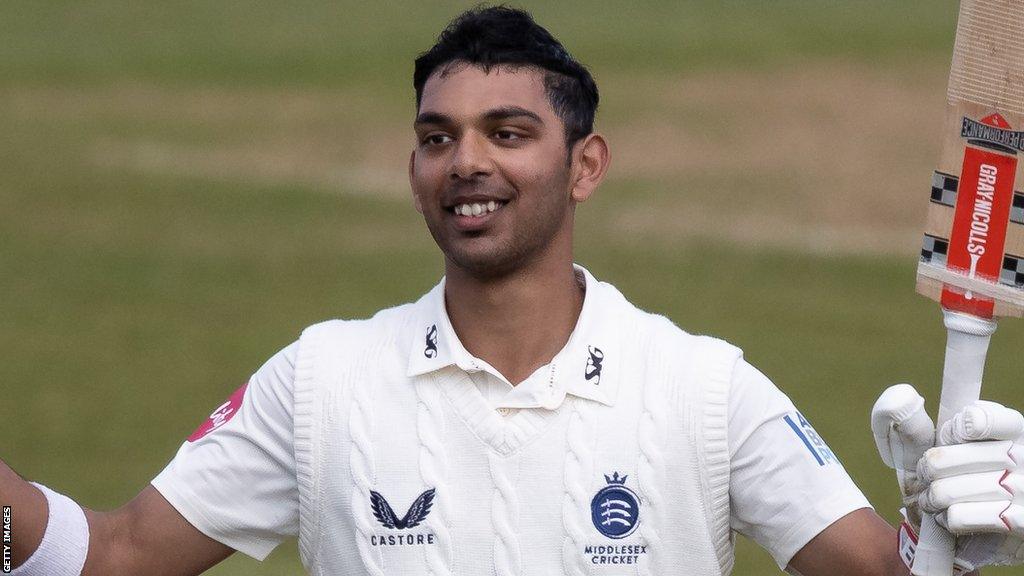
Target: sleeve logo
221,415
806,433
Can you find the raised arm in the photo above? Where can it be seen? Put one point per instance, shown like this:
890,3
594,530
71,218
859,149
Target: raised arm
858,544
146,536
230,487
28,513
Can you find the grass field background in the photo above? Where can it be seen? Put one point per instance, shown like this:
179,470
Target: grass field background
185,185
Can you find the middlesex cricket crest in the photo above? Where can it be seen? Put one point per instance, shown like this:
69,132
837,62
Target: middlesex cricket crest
615,509
615,512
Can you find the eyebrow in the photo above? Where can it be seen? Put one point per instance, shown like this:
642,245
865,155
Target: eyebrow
503,113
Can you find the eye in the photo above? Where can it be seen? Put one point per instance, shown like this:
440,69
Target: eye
437,139
507,135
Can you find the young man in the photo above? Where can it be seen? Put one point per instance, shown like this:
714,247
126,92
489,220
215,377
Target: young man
520,418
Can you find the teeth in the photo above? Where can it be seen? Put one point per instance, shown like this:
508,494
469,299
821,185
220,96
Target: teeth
476,208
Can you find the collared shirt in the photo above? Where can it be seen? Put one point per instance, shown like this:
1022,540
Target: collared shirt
579,368
235,478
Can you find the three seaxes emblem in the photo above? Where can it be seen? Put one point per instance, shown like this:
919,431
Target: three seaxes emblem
615,512
615,509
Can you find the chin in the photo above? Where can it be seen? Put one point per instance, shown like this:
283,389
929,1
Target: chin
487,265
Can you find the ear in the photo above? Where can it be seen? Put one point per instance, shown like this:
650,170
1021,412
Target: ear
591,158
412,184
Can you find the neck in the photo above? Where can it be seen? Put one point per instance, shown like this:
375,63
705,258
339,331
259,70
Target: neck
516,323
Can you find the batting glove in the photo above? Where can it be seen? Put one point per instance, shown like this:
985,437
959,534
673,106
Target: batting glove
973,482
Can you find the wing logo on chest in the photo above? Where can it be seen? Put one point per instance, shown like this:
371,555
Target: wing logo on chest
416,514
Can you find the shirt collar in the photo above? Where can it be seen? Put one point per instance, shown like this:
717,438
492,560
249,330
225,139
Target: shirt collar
587,366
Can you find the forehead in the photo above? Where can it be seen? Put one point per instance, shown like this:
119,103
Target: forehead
464,89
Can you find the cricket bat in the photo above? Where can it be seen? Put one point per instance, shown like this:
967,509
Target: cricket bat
972,258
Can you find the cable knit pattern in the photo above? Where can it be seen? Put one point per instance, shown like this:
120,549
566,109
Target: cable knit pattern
373,411
505,515
361,464
433,459
579,466
650,468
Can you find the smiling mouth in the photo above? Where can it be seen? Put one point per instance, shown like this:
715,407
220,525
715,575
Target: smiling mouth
477,209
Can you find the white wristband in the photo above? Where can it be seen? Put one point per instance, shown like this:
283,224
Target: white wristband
65,543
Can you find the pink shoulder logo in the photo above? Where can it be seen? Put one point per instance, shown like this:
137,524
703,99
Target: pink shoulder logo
221,415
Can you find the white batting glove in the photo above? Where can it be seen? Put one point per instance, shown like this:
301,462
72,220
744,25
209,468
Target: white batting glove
903,433
973,482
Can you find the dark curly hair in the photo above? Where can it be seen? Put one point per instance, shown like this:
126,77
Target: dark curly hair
502,36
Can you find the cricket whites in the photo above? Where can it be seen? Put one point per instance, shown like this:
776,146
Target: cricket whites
972,258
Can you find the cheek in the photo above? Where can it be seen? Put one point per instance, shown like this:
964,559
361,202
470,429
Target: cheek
542,180
426,182
421,171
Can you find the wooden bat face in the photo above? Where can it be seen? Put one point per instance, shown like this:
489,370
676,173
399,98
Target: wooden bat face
972,258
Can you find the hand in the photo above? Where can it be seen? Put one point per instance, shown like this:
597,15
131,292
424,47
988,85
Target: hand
973,482
903,433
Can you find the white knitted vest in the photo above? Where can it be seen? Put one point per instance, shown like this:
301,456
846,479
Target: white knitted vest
518,495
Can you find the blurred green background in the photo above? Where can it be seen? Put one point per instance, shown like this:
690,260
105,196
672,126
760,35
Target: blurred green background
185,185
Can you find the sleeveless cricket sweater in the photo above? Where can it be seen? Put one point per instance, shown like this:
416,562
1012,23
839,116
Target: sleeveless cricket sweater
404,469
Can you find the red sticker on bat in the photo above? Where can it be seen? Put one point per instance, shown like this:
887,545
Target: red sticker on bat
221,415
979,226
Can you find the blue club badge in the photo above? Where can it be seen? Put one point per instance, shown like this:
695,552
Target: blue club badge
615,509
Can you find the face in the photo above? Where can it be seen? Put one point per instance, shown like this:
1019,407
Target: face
489,172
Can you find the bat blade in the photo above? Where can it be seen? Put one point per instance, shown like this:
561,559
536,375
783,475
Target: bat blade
972,257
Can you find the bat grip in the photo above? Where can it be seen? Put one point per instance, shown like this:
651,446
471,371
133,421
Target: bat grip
966,347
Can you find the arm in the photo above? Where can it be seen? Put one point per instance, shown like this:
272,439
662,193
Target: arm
193,515
858,544
230,487
28,520
144,537
787,488
147,536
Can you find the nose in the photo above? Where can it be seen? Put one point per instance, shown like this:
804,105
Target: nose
470,159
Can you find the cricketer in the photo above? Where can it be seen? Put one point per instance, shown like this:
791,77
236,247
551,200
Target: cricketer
522,417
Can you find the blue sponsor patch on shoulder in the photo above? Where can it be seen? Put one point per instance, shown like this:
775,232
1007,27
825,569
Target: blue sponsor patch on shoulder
803,429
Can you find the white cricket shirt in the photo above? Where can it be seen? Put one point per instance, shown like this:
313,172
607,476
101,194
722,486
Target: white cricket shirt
258,472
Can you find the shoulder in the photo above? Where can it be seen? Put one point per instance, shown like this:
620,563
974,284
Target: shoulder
689,369
386,325
331,348
656,334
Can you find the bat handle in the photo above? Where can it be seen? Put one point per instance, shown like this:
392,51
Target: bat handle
966,347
